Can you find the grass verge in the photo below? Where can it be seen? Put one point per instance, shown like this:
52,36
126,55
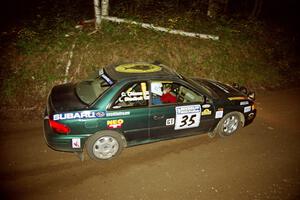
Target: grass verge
35,58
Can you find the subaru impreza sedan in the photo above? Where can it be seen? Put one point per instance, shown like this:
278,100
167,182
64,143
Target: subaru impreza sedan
137,103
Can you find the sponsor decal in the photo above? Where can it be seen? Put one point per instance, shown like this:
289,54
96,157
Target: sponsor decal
247,109
170,121
187,116
78,115
138,68
117,123
206,112
106,78
76,143
243,103
219,113
115,114
188,109
100,114
237,98
134,96
206,106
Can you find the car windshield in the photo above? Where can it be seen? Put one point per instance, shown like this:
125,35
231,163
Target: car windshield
203,88
89,90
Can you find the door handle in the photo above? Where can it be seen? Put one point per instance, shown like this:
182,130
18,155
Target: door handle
158,117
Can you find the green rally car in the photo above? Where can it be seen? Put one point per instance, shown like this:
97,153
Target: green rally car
137,103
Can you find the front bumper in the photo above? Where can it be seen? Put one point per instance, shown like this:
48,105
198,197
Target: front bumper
249,117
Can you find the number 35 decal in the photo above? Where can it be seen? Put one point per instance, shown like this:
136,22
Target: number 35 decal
187,116
188,120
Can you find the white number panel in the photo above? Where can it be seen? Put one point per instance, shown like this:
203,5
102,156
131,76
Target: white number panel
187,116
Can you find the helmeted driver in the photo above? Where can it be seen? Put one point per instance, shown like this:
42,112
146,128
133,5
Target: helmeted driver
156,90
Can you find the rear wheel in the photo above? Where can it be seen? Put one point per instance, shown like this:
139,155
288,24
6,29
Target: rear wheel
104,145
229,124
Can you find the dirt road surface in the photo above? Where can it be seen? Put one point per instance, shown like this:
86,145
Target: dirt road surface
261,161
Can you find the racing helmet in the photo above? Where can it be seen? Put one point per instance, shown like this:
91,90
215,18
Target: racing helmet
156,88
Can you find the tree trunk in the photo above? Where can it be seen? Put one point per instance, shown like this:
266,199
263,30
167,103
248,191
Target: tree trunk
217,7
104,7
212,8
97,14
225,6
256,9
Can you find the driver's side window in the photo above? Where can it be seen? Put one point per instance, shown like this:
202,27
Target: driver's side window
134,95
169,92
186,95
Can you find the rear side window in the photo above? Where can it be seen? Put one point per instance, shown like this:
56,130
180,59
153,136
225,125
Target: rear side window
134,95
89,90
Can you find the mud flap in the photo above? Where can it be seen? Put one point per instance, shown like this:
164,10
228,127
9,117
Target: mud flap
80,155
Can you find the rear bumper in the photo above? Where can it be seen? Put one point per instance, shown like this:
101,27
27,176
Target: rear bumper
60,142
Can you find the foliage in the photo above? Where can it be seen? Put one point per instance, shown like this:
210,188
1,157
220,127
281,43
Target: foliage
40,50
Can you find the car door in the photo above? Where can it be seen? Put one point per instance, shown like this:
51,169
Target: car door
129,112
177,118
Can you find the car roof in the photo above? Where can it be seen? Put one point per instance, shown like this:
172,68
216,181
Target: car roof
139,70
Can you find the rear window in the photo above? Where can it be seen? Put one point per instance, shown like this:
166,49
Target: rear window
89,90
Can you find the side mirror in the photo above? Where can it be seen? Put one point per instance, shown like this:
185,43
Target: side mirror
235,85
243,90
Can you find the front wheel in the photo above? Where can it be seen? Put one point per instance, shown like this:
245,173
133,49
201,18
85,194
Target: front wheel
229,124
104,145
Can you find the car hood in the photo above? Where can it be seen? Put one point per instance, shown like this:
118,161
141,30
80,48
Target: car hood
63,98
219,90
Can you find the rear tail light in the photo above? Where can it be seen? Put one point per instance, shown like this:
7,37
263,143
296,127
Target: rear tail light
59,128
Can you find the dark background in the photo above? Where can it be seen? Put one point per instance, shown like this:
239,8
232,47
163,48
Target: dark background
279,16
281,12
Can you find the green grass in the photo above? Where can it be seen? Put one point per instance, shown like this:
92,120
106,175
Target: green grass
40,54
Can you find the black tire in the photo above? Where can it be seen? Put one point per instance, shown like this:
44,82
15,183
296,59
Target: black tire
104,145
229,124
